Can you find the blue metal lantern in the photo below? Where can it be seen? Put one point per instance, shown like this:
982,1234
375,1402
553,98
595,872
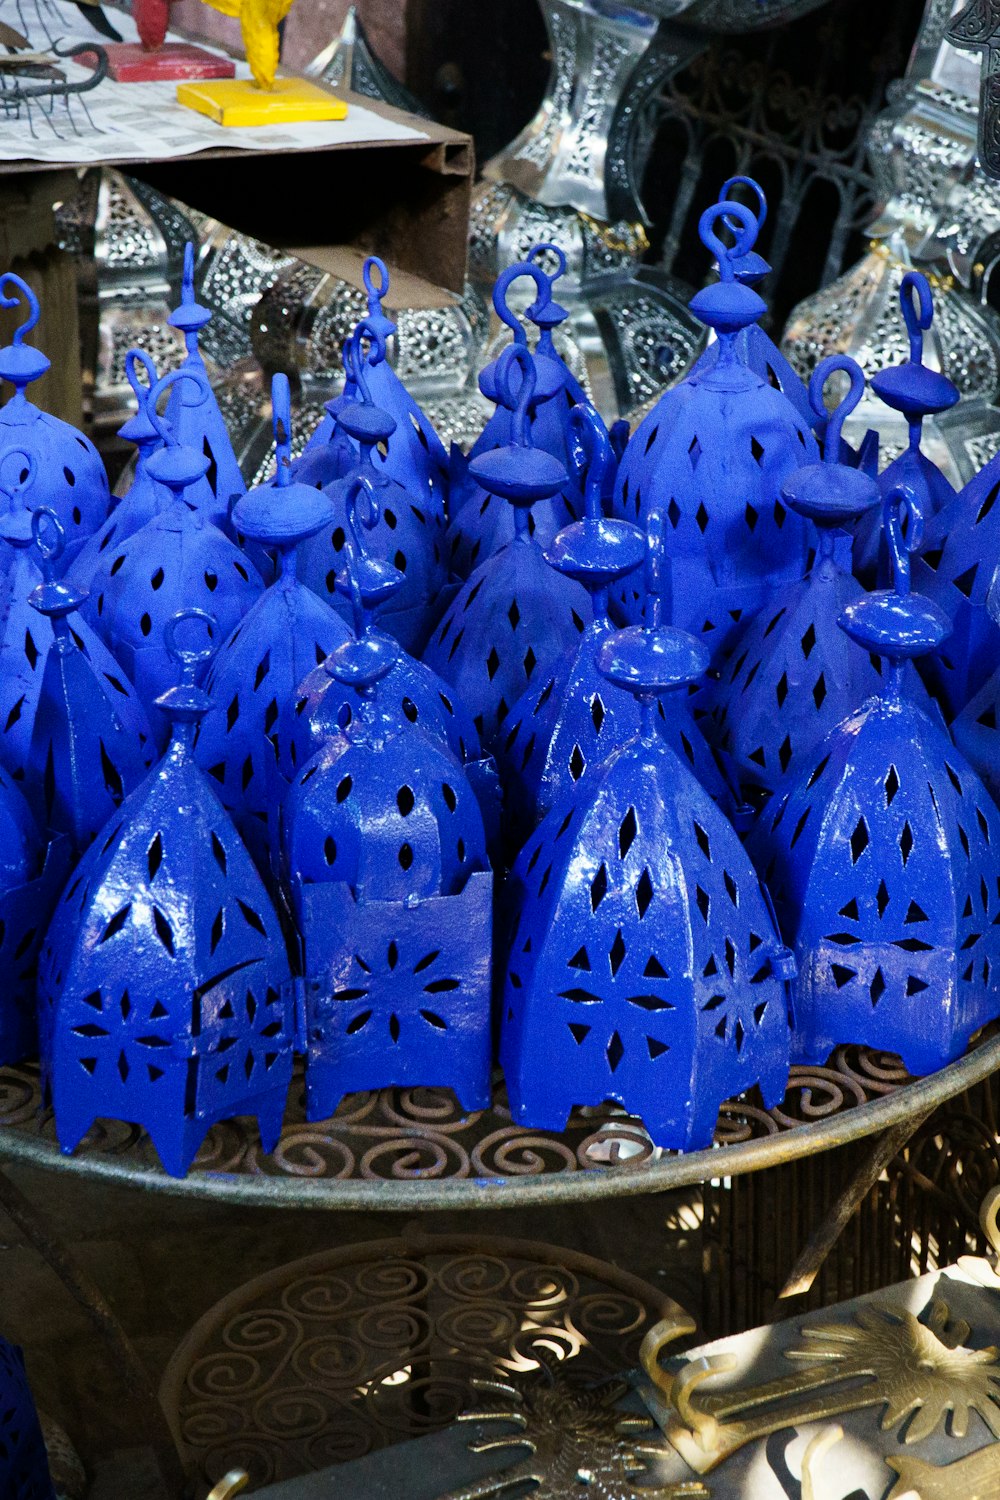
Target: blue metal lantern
409,533
515,615
144,499
69,474
955,567
165,997
881,858
194,415
29,885
24,1464
176,560
794,674
91,743
414,455
244,740
754,346
576,718
386,853
713,455
916,392
644,965
480,522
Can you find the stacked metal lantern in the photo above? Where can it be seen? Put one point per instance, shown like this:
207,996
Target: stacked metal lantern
405,757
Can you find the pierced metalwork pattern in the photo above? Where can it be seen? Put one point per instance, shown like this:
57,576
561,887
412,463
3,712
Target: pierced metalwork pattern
610,52
415,1148
655,348
126,238
159,340
346,1352
538,143
982,448
170,217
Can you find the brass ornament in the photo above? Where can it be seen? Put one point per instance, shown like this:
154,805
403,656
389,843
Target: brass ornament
976,1477
578,1443
916,1371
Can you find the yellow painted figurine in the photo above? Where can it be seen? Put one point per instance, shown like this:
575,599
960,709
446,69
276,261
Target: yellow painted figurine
268,99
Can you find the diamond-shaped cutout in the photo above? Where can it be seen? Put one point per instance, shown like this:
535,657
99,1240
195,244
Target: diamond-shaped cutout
882,898
493,663
877,987
781,691
673,513
906,842
859,840
819,690
615,1051
701,516
626,832
599,887
514,615
643,893
597,712
808,641
577,764
891,786
694,452
750,516
530,662
616,956
756,450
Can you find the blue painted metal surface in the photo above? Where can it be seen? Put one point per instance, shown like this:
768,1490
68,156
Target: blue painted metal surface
794,674
24,1464
386,853
916,391
414,455
194,415
955,567
576,717
164,988
91,743
644,965
177,560
754,346
882,857
409,533
244,741
713,455
144,499
69,474
515,615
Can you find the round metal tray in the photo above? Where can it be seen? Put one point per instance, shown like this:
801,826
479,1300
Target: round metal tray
415,1149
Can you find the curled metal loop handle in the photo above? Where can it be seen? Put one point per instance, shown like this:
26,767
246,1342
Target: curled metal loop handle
543,248
918,311
357,360
848,402
173,377
190,657
360,489
48,535
281,420
517,399
22,293
903,520
818,1448
702,1425
141,392
500,289
376,289
665,1332
755,188
989,1219
656,566
24,480
591,452
724,213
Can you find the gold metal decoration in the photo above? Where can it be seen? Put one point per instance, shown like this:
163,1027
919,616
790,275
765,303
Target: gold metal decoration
976,1477
229,1485
577,1440
916,1371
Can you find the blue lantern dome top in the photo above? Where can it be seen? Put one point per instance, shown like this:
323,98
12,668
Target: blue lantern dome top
91,742
144,499
409,533
793,674
644,965
414,455
69,474
177,560
329,696
713,454
383,805
570,722
915,391
754,345
245,740
515,614
194,415
164,981
880,858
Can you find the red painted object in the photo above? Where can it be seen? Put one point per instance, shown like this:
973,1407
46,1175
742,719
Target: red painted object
129,62
151,18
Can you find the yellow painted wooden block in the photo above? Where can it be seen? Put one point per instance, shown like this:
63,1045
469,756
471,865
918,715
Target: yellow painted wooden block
237,101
